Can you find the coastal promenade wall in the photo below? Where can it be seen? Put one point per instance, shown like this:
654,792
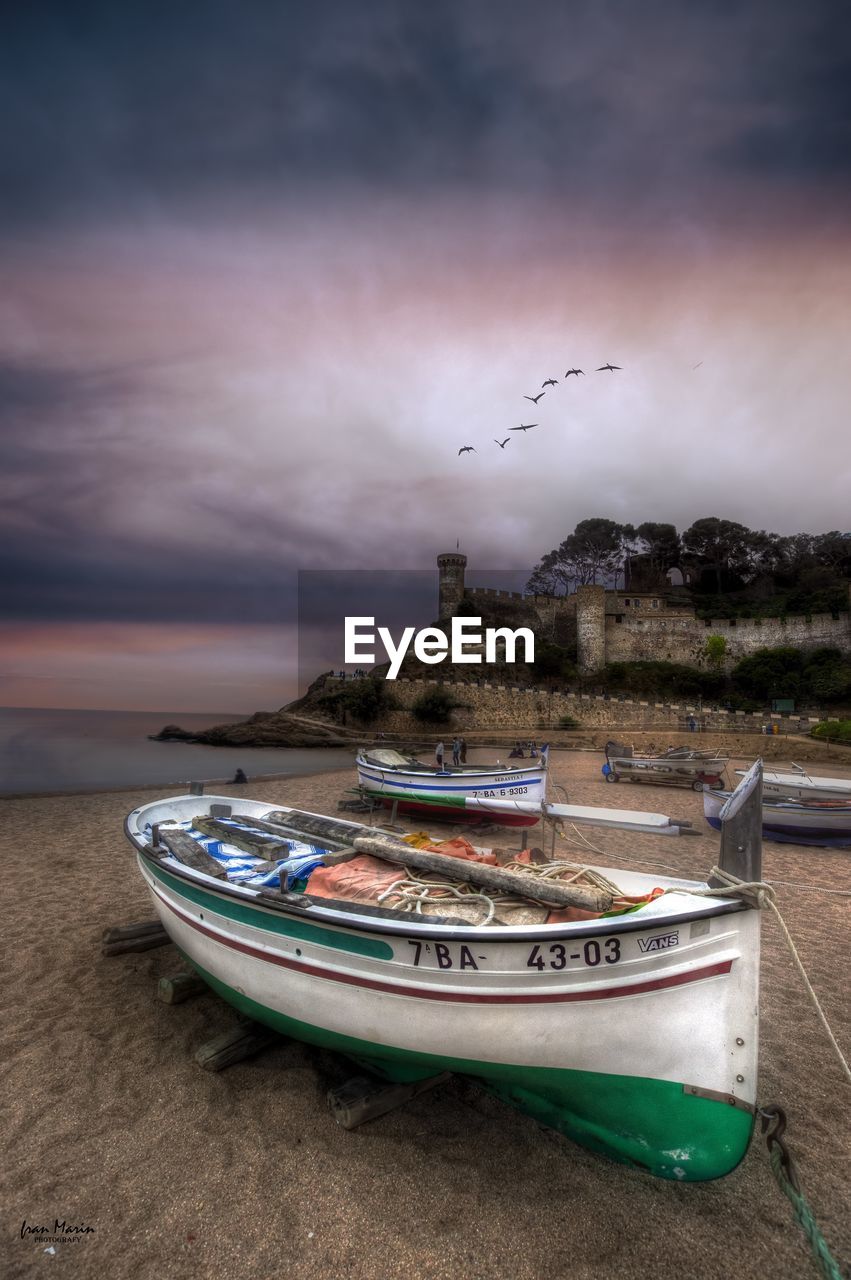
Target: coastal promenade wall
494,706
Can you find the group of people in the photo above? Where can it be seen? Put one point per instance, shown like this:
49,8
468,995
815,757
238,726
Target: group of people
459,752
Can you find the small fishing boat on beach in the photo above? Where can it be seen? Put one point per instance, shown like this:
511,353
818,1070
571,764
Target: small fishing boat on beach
442,794
802,785
824,822
615,1006
677,767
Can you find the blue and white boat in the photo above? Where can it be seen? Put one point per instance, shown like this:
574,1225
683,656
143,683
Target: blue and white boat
442,794
801,785
817,822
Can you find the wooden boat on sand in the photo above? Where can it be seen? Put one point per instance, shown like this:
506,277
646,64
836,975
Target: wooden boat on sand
816,822
441,794
676,767
615,1006
801,785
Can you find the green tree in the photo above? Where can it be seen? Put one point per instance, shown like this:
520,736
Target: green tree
595,550
658,550
834,550
434,706
364,700
833,730
718,545
770,673
827,675
715,650
552,660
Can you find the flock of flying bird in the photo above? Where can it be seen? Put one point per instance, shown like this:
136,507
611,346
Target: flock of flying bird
550,382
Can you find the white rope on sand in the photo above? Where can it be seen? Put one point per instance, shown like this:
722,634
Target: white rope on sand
663,866
622,857
812,888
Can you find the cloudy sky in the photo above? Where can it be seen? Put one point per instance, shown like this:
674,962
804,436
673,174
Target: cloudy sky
265,267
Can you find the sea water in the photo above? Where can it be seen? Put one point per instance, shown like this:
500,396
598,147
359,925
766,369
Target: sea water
42,749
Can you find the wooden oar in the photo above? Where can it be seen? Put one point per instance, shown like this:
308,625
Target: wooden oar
493,878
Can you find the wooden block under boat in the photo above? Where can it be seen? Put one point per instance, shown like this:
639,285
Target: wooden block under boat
145,942
180,987
121,932
232,1046
365,1098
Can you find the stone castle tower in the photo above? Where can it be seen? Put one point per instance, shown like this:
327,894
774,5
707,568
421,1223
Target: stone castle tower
590,629
450,570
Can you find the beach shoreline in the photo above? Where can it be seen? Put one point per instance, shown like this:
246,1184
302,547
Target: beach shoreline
184,1174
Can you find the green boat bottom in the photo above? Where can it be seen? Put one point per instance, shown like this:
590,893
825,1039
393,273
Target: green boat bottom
650,1124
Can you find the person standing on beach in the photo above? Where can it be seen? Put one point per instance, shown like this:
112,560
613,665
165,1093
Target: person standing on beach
463,750
438,755
456,751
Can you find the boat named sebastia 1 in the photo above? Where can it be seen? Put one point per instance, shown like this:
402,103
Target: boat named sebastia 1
414,787
617,1007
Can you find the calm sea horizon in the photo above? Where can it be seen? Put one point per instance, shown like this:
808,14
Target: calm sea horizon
48,749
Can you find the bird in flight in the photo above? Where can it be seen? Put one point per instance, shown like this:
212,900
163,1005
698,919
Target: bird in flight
536,398
611,367
503,443
550,382
570,371
467,448
524,426
697,366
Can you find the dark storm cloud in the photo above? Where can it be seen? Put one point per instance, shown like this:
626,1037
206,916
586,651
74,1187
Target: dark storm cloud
73,467
45,579
109,106
811,132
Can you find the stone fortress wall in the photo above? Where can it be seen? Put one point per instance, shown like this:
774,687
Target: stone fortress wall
625,626
486,705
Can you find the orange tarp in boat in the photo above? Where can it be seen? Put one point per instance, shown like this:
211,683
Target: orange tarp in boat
363,879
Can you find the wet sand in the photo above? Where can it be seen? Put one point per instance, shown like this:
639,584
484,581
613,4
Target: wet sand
112,1125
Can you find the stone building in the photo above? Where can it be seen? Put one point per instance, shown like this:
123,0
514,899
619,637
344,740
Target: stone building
635,626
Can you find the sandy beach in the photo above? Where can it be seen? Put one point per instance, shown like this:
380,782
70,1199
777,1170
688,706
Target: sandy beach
181,1173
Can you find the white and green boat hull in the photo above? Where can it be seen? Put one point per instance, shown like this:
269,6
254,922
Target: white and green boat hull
636,1036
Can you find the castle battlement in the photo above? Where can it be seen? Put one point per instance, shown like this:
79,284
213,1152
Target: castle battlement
642,626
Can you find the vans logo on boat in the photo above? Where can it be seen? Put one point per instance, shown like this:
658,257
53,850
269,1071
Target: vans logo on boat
660,941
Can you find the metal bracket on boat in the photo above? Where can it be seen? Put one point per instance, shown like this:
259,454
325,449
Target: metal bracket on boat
732,1101
741,829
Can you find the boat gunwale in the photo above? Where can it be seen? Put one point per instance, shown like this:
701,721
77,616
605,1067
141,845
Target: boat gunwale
463,770
790,804
314,911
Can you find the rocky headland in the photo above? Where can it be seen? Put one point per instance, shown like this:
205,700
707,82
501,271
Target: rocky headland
264,729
